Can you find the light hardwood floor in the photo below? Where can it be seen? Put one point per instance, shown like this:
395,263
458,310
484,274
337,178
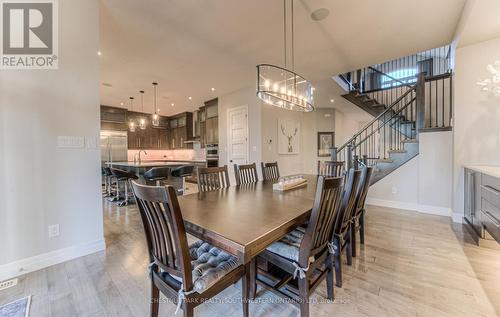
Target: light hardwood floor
412,265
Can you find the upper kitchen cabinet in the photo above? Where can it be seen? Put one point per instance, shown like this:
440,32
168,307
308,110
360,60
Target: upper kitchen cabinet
211,126
114,119
180,131
151,138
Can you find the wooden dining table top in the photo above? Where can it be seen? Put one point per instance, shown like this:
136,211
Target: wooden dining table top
245,219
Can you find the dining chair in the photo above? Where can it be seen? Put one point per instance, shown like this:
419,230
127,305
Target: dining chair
245,174
358,221
186,274
305,251
331,168
342,235
212,178
270,171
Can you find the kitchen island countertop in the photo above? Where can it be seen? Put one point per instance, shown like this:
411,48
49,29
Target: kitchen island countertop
485,169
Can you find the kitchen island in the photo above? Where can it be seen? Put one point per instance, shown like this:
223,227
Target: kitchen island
140,168
482,201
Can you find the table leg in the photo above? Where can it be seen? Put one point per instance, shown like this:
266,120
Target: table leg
252,275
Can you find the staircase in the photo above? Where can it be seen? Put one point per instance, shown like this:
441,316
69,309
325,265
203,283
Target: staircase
402,108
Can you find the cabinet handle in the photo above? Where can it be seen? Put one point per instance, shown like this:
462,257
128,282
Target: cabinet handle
491,190
493,219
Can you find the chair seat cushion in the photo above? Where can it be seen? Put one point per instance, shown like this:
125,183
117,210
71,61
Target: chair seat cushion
209,264
288,246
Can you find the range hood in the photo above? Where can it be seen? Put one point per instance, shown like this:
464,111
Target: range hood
193,138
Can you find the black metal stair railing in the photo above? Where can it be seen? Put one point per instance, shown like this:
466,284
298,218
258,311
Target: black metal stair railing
407,96
387,132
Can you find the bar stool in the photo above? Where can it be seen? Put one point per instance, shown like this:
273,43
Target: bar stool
183,172
108,181
157,174
122,176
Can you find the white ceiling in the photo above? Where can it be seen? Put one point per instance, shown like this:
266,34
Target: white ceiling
481,22
190,46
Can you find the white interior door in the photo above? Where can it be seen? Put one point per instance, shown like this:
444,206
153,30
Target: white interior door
237,136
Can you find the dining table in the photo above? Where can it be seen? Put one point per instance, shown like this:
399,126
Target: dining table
245,219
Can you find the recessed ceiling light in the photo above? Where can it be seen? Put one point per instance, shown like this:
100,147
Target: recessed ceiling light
121,103
332,100
190,97
320,14
213,89
99,53
172,104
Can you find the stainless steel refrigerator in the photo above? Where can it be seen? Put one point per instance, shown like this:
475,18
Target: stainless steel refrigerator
114,146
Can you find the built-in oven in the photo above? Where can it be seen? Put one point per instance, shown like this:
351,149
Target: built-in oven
212,155
212,162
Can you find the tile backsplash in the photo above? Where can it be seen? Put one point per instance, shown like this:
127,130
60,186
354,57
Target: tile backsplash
154,155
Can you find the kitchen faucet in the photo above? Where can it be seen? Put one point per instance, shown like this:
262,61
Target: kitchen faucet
137,156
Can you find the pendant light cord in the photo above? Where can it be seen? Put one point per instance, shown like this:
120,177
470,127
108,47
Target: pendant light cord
284,28
293,42
154,86
142,100
285,34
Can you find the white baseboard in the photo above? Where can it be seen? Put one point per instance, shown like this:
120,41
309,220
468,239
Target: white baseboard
458,218
37,262
426,209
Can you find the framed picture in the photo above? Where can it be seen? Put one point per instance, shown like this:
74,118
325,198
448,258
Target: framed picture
288,136
325,143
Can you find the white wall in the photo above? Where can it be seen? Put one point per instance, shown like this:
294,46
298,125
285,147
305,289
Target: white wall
422,184
476,138
245,96
41,184
263,127
321,120
346,125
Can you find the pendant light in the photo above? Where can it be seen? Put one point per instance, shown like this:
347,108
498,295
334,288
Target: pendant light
155,121
142,120
131,124
283,87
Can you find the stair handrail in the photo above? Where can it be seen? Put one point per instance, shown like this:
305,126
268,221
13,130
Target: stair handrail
353,138
385,122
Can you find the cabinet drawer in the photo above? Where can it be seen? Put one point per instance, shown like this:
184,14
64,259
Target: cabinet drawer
491,194
491,219
491,181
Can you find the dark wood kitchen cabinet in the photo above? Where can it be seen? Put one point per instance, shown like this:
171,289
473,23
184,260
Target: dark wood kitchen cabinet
180,130
209,122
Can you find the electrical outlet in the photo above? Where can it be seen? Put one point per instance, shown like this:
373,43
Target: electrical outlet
7,284
53,231
394,190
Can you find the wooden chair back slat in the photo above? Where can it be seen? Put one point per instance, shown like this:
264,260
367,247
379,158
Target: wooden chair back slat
348,201
245,174
270,171
322,221
212,178
364,185
331,168
164,229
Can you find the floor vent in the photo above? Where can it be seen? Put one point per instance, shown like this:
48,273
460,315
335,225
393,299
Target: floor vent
7,284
